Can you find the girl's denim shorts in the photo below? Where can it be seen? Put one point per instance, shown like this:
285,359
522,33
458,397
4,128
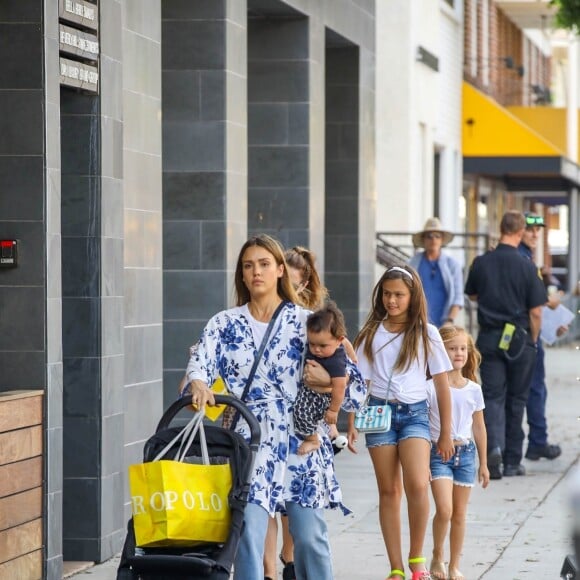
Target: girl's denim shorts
460,468
407,420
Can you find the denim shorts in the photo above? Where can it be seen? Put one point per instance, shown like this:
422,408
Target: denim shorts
460,468
407,420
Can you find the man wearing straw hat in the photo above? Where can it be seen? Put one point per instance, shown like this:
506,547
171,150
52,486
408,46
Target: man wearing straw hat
440,273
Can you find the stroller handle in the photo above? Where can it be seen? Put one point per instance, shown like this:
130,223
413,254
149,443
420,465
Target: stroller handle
231,401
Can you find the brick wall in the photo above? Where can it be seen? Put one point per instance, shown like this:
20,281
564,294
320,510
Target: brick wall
509,79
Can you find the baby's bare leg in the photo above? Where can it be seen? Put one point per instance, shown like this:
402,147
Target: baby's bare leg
310,443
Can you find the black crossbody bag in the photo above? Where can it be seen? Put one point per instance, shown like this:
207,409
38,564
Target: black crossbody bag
254,368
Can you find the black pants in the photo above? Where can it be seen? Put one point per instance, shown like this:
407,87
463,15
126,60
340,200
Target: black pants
505,385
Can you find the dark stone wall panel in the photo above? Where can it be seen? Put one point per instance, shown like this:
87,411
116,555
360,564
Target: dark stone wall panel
213,248
278,167
194,146
82,383
277,209
21,131
81,492
342,104
181,95
20,11
340,249
181,245
278,39
341,178
81,326
213,95
80,148
178,336
298,123
193,195
194,9
22,318
81,549
22,370
22,186
277,81
81,259
268,124
82,456
342,135
79,205
24,40
191,295
195,44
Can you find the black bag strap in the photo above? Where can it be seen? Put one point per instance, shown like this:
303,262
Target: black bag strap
257,359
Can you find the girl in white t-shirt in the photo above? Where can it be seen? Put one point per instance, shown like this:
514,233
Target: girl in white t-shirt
396,348
452,480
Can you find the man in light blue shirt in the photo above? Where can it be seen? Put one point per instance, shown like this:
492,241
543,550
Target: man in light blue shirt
440,273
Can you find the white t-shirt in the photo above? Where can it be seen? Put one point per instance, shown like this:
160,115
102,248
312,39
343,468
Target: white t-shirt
464,402
409,385
258,328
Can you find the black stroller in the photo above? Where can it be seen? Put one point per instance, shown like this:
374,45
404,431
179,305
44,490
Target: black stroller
208,561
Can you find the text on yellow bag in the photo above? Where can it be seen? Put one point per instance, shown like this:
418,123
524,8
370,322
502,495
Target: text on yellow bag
179,504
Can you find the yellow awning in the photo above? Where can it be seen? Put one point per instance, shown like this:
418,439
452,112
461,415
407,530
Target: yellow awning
489,130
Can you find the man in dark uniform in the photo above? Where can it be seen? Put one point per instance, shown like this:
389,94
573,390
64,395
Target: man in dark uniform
538,445
508,291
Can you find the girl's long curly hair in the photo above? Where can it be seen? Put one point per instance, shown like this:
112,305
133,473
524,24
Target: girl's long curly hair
415,326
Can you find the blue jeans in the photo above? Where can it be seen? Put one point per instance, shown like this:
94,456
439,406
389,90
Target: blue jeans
536,405
312,558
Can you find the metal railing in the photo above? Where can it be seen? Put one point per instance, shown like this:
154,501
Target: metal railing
394,248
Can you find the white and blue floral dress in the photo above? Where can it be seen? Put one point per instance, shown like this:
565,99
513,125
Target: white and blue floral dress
226,348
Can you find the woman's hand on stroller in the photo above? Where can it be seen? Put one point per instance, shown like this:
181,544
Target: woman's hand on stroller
201,395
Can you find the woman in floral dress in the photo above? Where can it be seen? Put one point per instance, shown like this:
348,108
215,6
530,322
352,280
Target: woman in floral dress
282,480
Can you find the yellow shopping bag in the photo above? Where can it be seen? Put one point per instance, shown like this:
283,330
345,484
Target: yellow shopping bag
179,504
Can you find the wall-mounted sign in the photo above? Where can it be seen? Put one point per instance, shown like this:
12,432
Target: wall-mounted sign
77,43
79,75
427,58
79,12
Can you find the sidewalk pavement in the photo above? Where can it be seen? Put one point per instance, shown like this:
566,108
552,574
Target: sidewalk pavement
517,528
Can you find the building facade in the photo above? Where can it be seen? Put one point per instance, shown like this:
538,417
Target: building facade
141,142
419,68
520,148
